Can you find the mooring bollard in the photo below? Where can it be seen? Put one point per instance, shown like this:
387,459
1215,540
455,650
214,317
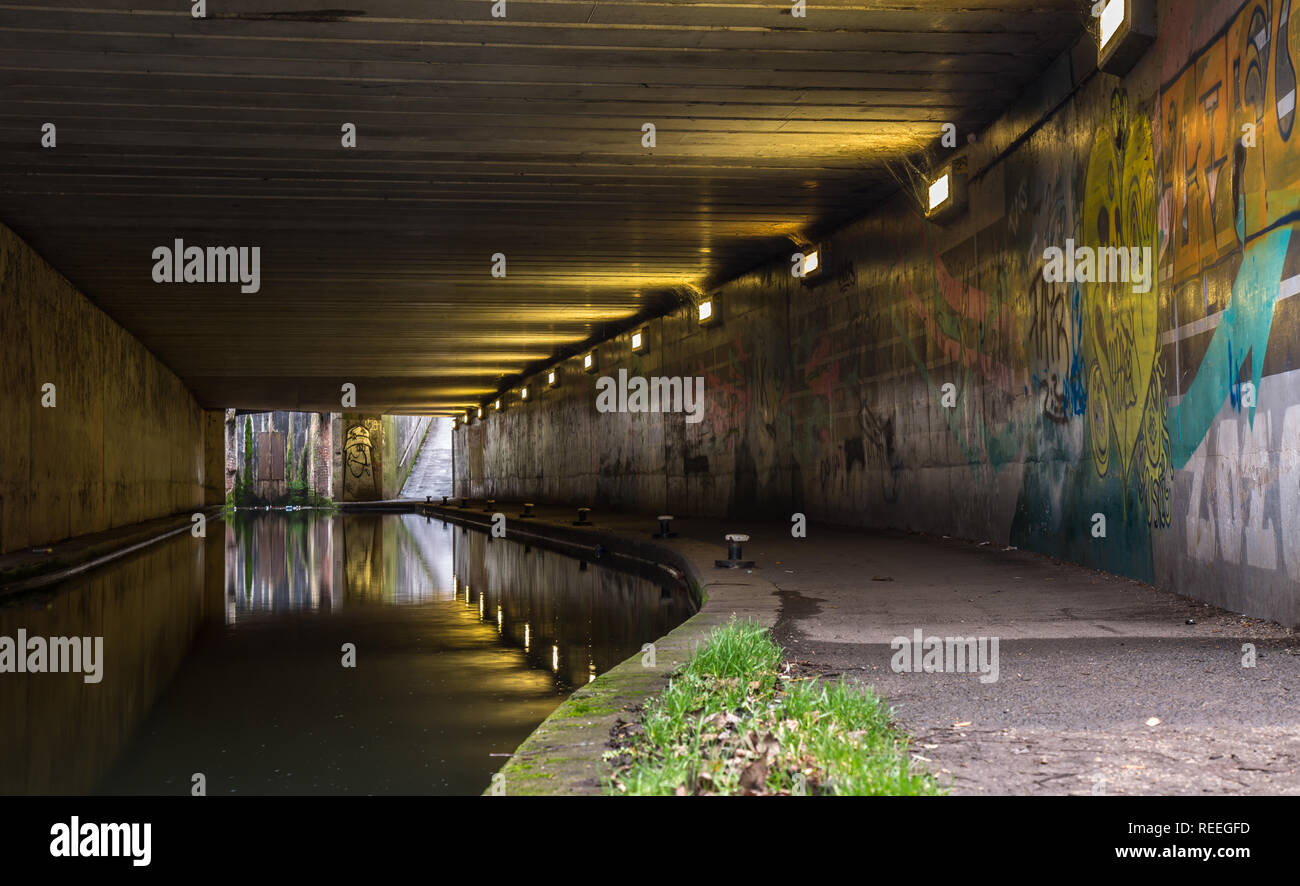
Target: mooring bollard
582,517
489,505
528,510
665,530
734,561
444,501
428,499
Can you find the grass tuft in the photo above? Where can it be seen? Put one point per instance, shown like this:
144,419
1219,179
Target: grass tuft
731,722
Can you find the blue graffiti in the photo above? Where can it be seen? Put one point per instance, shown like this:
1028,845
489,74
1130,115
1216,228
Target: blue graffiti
1076,383
1234,381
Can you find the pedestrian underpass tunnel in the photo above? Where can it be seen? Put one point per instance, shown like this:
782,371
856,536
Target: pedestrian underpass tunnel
1085,348
1010,273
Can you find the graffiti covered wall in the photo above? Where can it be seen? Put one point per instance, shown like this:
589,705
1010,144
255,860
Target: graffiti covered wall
363,449
1142,418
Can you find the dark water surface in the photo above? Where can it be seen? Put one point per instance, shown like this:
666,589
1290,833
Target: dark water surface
224,656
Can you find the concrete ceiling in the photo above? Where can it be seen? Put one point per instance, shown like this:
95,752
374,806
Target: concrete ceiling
476,135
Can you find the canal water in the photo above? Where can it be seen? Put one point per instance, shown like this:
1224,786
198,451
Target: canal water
303,654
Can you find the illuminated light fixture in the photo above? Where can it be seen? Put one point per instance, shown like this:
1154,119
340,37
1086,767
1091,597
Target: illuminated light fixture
1128,27
947,192
641,340
523,393
939,191
589,362
480,412
553,379
709,312
814,264
496,404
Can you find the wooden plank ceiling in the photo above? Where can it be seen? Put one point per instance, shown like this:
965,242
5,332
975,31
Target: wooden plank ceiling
476,135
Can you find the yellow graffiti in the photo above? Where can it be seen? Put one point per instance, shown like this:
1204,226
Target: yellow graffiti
1119,210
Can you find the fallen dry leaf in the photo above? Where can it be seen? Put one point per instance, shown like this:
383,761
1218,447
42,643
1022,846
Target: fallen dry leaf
754,777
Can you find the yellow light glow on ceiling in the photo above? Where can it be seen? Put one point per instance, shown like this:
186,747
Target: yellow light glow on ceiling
536,338
565,313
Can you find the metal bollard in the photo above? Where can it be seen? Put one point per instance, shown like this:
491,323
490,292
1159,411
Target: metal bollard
528,510
734,561
665,529
582,517
489,505
444,501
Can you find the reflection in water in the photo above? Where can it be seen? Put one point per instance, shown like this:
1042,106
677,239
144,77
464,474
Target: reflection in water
462,645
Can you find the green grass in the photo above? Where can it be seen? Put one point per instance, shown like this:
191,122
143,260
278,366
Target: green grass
731,723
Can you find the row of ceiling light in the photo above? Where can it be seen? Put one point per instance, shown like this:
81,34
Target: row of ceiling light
1127,28
708,312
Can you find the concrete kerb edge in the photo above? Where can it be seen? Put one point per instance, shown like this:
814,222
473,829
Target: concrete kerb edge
118,543
564,754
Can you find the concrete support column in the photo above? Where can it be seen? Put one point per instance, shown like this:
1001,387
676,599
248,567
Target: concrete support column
214,457
363,446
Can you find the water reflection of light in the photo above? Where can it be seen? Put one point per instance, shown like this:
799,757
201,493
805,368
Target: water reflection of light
555,658
499,619
591,670
527,636
481,604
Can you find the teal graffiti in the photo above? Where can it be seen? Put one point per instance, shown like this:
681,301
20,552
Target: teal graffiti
1246,324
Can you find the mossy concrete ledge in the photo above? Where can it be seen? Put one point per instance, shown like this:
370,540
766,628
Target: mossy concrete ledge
564,755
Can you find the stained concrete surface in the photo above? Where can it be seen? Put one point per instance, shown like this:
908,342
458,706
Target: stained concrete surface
1086,659
431,473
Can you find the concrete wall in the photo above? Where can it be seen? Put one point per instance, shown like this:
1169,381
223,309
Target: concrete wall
1070,401
376,453
307,435
125,440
